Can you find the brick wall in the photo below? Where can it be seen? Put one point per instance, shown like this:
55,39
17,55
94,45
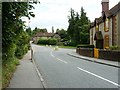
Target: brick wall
103,54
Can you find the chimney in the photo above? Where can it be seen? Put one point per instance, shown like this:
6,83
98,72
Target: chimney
105,7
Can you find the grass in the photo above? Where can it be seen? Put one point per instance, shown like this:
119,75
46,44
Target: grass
0,70
68,47
41,44
0,77
7,71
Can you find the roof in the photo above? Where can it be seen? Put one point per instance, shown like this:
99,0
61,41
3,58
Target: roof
46,34
113,11
105,0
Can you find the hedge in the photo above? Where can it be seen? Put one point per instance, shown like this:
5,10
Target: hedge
50,41
85,46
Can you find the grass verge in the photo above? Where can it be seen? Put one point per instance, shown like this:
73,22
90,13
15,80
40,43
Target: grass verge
0,77
68,47
41,44
7,71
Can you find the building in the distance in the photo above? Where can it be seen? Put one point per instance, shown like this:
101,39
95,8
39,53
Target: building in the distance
105,30
44,35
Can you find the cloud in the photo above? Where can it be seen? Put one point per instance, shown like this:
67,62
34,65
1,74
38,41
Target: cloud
54,12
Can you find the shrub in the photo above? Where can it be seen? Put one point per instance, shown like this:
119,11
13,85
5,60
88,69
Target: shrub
50,41
85,46
8,52
8,70
69,43
42,41
114,48
60,43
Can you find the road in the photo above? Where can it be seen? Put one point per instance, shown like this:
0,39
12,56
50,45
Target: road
60,70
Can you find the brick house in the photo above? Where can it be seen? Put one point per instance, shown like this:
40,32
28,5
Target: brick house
44,35
105,30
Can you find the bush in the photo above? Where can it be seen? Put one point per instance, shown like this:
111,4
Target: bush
85,46
69,43
8,70
21,51
60,43
42,41
50,41
114,48
8,52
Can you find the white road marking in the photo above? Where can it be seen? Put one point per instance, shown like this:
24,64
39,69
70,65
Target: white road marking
62,60
51,54
58,58
99,76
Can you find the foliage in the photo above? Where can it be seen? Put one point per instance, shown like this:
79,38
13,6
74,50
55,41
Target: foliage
114,48
85,46
14,38
22,45
42,41
67,47
78,29
8,69
29,31
62,33
36,30
60,44
69,43
51,41
13,26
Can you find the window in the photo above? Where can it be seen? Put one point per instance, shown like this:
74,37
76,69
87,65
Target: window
106,25
97,28
106,41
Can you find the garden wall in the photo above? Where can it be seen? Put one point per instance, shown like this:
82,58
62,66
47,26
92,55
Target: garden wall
112,55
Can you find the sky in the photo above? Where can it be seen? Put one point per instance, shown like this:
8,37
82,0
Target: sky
55,12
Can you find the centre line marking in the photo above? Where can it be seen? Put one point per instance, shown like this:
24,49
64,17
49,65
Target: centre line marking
99,76
51,54
58,58
62,60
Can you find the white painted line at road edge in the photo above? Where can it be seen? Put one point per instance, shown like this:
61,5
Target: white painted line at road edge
58,58
39,74
99,76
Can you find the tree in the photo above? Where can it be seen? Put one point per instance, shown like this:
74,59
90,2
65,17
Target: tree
12,26
15,40
62,33
36,30
22,45
84,28
78,28
29,31
52,29
71,21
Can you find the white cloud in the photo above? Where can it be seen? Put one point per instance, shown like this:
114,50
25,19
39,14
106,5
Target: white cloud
54,12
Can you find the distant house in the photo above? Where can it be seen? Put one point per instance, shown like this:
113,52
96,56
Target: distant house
105,30
44,35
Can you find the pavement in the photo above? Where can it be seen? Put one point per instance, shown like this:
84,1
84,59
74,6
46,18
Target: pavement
96,60
26,75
